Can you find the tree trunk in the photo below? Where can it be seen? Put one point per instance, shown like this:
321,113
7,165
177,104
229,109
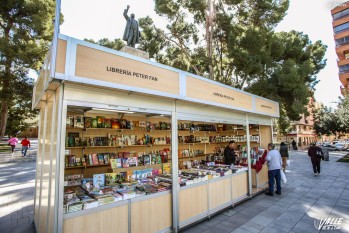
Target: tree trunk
4,93
3,121
210,15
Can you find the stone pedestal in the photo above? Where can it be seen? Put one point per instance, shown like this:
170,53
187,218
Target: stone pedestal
135,52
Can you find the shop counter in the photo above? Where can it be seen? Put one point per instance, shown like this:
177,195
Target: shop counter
108,218
148,213
201,200
260,179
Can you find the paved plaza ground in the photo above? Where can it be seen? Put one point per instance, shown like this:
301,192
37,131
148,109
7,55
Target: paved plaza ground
304,199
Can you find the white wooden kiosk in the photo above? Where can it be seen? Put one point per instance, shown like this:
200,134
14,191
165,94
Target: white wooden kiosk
90,76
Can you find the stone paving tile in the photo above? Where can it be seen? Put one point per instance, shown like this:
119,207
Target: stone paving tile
230,212
217,229
288,219
271,229
240,230
300,208
226,226
219,217
262,220
304,226
210,223
270,214
279,226
255,226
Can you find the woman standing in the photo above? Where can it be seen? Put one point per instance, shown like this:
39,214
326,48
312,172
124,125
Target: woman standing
13,142
284,155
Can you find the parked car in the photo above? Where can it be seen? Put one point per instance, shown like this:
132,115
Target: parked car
339,146
326,144
334,142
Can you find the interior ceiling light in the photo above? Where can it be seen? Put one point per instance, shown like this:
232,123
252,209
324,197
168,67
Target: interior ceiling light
112,110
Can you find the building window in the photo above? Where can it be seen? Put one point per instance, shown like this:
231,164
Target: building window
341,28
343,69
342,41
340,14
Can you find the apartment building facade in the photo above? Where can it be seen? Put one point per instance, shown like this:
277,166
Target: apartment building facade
340,23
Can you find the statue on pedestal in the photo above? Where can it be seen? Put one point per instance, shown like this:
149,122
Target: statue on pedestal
131,33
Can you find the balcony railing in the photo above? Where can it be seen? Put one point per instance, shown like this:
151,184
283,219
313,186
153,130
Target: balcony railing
341,17
342,44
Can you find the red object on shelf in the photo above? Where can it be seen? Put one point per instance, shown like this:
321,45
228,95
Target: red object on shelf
260,162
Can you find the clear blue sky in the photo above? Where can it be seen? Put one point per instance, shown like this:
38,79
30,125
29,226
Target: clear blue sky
104,19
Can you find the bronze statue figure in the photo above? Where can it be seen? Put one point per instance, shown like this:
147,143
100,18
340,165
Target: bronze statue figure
131,33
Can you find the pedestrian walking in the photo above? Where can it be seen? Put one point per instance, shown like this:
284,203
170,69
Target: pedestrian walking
274,166
25,145
316,154
13,142
284,155
294,145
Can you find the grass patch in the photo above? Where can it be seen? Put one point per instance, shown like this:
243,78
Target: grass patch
344,159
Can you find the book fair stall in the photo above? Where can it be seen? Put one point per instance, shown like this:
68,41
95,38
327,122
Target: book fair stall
130,145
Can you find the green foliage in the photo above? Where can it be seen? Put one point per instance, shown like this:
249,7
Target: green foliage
26,30
329,121
342,114
325,121
283,123
117,44
233,42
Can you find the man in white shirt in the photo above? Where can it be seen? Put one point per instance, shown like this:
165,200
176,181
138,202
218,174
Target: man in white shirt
274,166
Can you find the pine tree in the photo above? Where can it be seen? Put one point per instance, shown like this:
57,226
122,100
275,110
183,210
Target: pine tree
26,29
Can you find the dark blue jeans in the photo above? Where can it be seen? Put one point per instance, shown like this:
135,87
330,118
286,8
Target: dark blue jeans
274,174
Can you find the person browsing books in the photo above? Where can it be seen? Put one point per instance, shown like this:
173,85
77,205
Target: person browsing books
274,167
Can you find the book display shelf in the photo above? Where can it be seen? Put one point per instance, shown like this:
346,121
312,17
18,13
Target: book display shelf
129,145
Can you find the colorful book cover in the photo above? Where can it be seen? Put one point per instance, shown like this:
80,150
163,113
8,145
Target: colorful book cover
83,161
77,141
90,159
70,121
88,122
146,159
107,123
78,122
166,168
129,175
78,161
125,162
133,161
98,180
95,159
100,159
106,158
115,124
113,164
100,122
110,179
119,163
94,123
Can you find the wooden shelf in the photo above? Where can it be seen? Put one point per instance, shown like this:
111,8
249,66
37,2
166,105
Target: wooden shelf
76,167
121,130
160,145
88,166
182,158
137,168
